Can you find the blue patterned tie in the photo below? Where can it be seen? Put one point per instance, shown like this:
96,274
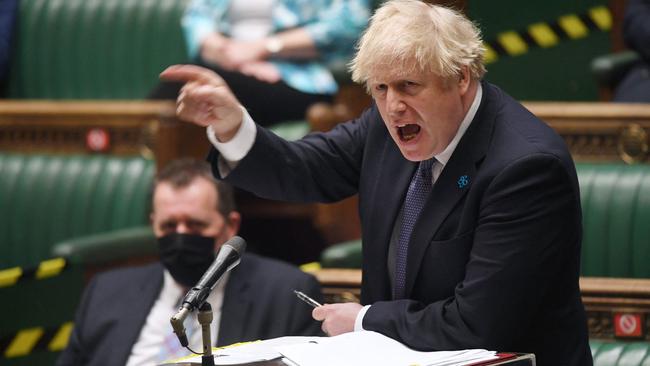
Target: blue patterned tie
419,189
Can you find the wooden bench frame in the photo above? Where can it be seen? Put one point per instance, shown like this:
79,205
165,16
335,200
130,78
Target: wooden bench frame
146,128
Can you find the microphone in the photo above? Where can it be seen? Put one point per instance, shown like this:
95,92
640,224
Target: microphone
228,257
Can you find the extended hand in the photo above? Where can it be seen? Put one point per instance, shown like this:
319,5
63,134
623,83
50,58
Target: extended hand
337,318
213,51
261,70
205,100
239,53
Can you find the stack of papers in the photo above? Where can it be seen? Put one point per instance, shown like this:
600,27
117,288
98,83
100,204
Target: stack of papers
355,348
371,348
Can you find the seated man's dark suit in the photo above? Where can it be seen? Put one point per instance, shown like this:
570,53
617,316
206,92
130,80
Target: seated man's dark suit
494,258
258,304
635,86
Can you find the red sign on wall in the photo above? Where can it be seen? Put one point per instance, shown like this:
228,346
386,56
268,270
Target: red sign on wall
628,325
98,140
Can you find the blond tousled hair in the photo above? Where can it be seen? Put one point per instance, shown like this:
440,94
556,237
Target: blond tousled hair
410,35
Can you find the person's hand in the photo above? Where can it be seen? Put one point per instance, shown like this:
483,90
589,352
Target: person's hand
261,70
206,100
239,53
213,50
337,318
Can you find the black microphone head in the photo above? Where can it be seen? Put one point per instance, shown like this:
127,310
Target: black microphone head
237,243
227,258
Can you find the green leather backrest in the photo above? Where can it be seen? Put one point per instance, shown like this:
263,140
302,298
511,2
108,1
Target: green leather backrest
94,49
620,353
45,199
616,219
342,255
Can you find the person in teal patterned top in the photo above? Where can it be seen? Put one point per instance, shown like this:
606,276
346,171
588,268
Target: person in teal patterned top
274,53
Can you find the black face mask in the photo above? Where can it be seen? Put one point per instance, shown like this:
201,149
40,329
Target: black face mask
186,256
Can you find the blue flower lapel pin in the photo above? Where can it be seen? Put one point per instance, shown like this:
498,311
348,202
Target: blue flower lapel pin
463,181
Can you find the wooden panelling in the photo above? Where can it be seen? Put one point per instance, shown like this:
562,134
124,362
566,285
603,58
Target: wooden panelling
599,131
145,128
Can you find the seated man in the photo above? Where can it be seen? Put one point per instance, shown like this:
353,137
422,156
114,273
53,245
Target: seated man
8,11
635,86
124,314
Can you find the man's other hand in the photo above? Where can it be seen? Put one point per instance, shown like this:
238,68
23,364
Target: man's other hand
337,318
206,100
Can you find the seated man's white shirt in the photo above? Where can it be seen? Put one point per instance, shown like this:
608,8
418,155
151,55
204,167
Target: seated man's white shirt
157,338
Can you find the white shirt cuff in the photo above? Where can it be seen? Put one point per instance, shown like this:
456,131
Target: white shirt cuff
358,322
236,149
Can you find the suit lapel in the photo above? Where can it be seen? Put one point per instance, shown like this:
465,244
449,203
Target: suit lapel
454,182
137,304
390,190
237,301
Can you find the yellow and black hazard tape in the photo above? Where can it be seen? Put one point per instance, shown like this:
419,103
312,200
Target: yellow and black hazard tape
36,339
45,269
548,34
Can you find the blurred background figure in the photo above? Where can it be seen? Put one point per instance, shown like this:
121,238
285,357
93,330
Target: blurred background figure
8,10
124,315
635,86
275,55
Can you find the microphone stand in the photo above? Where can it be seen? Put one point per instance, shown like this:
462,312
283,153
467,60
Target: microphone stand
227,258
205,319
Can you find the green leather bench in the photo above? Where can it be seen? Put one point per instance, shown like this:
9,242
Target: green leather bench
620,353
49,201
46,199
94,49
616,222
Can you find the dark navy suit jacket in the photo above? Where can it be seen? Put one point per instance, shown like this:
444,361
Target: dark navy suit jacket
259,303
635,85
494,258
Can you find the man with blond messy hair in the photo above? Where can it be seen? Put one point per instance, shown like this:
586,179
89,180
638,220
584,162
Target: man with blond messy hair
469,204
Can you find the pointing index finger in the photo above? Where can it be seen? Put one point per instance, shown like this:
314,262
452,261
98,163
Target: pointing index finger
186,73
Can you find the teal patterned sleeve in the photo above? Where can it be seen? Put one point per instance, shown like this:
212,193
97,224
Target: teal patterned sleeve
338,27
201,18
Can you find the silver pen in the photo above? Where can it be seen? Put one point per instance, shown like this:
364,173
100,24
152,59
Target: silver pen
306,299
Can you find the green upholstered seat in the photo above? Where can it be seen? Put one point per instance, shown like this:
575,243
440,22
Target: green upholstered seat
342,255
616,219
109,246
291,130
94,49
45,199
620,353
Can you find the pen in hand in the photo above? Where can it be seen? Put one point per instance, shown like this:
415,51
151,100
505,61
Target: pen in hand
308,300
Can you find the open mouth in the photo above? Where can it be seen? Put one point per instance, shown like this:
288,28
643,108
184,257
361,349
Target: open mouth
408,132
